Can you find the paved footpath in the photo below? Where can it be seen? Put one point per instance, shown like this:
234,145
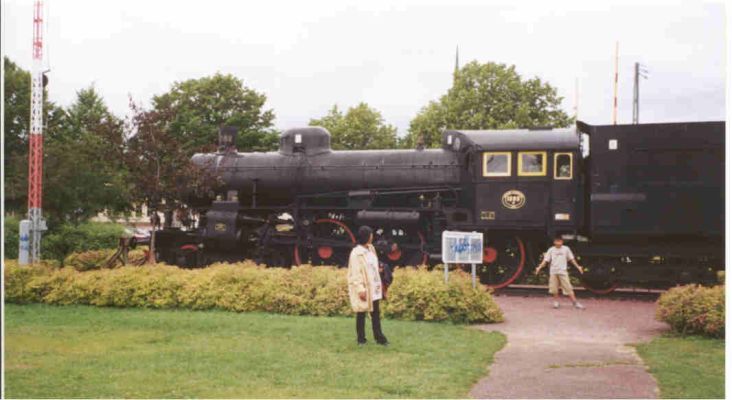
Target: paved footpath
570,353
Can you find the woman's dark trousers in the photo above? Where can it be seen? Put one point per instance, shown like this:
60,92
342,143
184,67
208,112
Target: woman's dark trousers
375,325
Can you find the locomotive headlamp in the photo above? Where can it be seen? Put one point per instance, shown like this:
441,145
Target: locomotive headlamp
456,145
561,216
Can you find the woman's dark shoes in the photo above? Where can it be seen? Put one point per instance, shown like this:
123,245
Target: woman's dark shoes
382,341
361,342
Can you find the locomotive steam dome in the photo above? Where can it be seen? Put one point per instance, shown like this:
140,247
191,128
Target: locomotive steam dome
311,141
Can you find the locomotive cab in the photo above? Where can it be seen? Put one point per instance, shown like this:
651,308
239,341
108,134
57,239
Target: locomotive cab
523,180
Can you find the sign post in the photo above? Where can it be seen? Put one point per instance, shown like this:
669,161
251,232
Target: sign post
472,271
462,248
24,242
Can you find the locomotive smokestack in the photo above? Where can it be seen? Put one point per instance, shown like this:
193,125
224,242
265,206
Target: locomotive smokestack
420,143
227,139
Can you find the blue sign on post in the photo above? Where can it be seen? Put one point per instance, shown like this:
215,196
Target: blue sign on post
24,242
462,248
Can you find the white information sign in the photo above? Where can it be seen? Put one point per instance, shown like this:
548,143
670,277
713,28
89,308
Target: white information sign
462,247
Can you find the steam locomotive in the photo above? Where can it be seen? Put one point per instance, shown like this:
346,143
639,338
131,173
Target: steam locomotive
641,204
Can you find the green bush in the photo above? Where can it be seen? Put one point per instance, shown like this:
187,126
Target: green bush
417,294
60,241
693,309
420,294
11,240
66,239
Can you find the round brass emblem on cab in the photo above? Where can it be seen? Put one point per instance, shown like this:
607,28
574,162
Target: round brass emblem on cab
513,199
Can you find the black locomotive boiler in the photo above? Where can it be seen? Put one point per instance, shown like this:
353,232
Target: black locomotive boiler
641,204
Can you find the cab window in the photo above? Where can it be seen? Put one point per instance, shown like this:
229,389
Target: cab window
497,164
563,166
532,163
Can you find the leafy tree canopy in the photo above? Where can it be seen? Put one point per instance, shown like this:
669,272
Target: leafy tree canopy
86,114
198,107
82,152
17,108
161,173
84,172
360,128
488,96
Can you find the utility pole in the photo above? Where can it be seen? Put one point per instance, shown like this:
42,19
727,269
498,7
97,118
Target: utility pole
35,224
576,99
640,72
457,63
615,87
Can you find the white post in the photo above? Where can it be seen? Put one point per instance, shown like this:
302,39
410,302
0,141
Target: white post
446,268
24,242
473,272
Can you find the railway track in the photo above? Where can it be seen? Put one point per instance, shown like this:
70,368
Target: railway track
639,294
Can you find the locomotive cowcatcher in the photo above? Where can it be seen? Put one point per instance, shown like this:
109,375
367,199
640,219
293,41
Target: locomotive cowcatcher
642,204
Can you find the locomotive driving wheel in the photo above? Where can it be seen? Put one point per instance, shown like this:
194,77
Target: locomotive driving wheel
331,244
400,247
598,276
503,261
186,256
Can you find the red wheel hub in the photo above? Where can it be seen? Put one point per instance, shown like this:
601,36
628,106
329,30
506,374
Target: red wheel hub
519,268
189,247
394,255
325,252
489,255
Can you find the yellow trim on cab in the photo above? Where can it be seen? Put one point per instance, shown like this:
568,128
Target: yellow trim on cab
532,153
497,153
571,166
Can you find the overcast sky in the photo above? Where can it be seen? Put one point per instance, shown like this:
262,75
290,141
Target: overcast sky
395,55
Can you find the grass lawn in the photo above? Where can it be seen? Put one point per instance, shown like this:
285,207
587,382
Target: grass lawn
686,367
80,351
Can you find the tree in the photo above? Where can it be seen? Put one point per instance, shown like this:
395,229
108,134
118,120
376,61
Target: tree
488,96
362,127
161,173
198,107
84,173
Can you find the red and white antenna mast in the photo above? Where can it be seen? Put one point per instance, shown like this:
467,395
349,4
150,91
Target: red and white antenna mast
35,155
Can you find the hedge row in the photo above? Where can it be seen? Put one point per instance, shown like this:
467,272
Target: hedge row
417,294
693,309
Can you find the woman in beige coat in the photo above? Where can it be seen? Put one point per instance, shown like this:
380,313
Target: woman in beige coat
364,286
